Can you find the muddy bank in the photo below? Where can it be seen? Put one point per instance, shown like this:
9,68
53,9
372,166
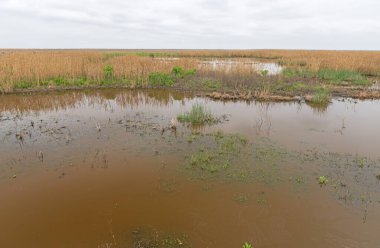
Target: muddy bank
261,93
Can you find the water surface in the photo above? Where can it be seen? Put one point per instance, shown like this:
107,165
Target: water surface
92,168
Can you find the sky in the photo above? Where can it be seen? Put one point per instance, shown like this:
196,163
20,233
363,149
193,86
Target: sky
191,24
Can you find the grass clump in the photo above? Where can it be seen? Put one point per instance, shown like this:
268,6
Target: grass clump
23,85
342,77
247,245
179,72
321,96
160,79
322,180
198,115
108,72
163,79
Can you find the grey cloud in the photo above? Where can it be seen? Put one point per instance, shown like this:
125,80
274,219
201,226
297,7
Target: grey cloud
315,24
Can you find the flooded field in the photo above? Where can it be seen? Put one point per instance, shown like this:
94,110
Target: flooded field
111,168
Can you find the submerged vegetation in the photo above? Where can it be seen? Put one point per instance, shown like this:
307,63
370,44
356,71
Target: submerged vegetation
155,239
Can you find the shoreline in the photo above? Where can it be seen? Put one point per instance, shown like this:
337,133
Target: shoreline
361,93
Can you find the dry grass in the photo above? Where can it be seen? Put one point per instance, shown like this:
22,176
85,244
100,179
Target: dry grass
367,62
38,67
42,67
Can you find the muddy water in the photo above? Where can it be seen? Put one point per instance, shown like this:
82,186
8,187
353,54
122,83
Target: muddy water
95,168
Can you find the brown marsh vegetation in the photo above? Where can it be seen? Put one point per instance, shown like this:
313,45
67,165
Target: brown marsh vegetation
261,74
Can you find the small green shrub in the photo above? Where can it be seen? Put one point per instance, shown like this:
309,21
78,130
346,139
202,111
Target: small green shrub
108,72
178,71
160,79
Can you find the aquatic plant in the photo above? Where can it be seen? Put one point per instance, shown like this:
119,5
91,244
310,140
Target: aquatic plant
321,96
198,115
322,180
247,245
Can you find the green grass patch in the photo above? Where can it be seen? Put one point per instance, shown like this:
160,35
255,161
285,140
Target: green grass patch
23,85
160,79
212,84
321,96
298,72
179,72
156,54
164,79
198,115
342,77
60,81
108,72
111,55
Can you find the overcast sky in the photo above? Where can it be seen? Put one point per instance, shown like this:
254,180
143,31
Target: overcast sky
238,24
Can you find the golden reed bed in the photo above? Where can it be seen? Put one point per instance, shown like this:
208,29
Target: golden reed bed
37,66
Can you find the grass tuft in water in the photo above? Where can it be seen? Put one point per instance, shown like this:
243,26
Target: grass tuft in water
144,239
198,115
322,180
247,245
321,96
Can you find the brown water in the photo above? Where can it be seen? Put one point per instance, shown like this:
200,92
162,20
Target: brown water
92,168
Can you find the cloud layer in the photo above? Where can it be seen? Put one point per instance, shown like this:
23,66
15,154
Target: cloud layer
312,24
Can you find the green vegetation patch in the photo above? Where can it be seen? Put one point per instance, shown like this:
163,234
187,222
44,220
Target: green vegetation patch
342,77
297,72
23,85
321,96
108,72
160,79
223,152
198,115
155,239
